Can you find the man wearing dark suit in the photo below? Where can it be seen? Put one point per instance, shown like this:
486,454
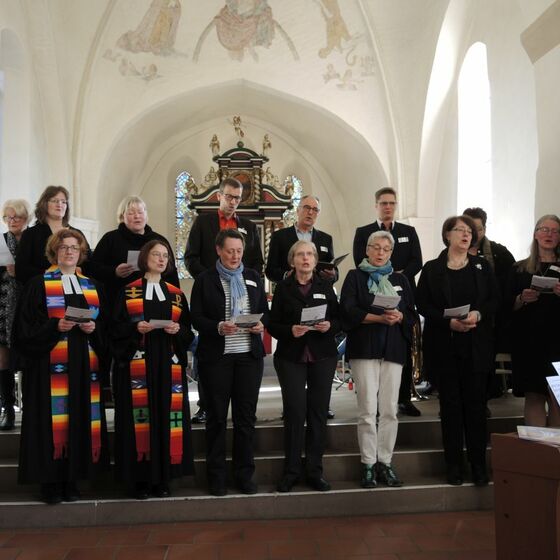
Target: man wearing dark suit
201,255
406,258
277,267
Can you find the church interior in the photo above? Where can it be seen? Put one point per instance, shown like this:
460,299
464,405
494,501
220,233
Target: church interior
453,103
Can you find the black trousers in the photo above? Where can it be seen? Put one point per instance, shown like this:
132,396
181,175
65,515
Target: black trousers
462,396
303,405
236,378
7,388
405,390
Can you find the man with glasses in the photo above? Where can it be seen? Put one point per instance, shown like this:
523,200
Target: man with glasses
277,267
406,258
201,254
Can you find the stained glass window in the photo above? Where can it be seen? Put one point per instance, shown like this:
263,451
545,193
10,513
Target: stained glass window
184,218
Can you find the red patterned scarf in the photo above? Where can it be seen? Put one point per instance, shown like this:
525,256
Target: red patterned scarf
56,308
138,381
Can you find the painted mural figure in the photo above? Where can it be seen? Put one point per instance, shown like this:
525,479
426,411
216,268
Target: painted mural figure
157,31
242,25
336,27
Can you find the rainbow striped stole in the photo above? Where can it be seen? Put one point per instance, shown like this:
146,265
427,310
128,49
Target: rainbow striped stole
58,366
138,382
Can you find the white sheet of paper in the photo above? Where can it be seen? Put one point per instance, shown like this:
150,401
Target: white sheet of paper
457,312
554,384
535,433
5,255
160,323
556,366
132,258
386,302
246,321
543,283
313,315
78,315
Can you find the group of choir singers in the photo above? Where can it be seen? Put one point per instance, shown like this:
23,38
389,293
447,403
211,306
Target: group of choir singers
82,317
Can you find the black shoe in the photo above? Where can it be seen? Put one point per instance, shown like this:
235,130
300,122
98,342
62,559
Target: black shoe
454,475
368,476
161,490
479,475
217,489
141,491
71,492
408,409
330,414
199,417
8,421
318,483
247,487
386,475
51,493
286,483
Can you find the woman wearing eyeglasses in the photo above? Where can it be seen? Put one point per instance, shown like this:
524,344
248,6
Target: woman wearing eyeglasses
376,347
459,350
535,342
15,214
63,434
52,213
151,336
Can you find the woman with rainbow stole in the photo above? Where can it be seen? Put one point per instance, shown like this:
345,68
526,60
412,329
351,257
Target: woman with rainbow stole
151,336
63,434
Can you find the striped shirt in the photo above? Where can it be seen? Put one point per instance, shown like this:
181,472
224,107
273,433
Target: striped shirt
240,342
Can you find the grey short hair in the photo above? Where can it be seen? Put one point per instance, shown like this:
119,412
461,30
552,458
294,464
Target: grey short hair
382,234
296,246
21,208
126,203
304,196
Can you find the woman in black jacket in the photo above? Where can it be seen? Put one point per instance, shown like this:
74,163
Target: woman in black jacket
305,357
376,346
459,352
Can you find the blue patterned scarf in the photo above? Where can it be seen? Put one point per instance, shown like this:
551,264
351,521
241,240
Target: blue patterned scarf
378,281
237,287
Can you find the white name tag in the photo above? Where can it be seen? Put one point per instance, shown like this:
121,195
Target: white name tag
555,268
251,283
242,230
324,249
319,296
403,239
398,288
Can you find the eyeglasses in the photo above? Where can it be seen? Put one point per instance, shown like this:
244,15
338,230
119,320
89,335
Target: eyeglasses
307,208
62,201
463,230
380,248
547,230
159,255
12,218
69,248
231,197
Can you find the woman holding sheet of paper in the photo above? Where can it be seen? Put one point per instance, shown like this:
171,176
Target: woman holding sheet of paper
151,337
63,435
114,260
16,214
230,359
535,316
305,361
458,297
377,312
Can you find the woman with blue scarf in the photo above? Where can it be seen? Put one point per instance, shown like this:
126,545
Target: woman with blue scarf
230,359
376,348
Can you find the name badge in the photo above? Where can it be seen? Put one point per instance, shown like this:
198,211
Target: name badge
324,249
319,296
403,239
398,288
555,268
251,283
242,230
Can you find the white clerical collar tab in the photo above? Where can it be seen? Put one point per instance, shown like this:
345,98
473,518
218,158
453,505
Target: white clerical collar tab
152,287
70,284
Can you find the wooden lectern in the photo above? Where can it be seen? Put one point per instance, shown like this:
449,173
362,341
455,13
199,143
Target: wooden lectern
527,498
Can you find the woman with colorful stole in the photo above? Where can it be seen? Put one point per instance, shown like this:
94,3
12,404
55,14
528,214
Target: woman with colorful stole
151,336
63,435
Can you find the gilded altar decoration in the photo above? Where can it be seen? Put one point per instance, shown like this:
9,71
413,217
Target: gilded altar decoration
267,145
237,127
242,26
215,145
157,31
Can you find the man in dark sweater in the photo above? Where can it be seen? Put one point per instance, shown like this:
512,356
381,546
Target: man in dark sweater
406,258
